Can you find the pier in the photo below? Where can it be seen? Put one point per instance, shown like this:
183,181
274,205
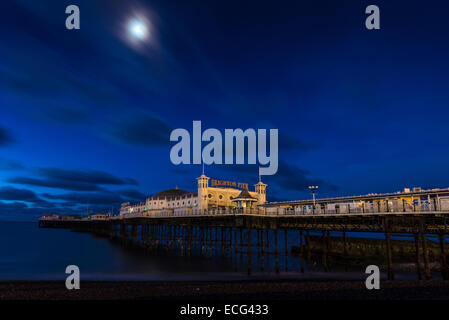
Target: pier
258,234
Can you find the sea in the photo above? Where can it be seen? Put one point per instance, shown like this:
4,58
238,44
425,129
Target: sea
31,253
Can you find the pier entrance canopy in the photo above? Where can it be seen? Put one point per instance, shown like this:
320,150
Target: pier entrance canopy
244,199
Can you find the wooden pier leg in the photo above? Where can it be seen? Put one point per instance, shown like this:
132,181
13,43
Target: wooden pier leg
324,250
166,235
389,257
267,247
150,237
223,235
194,238
286,249
235,249
308,250
190,236
211,244
182,239
147,236
228,248
417,257
134,234
169,237
444,269
261,248
262,267
345,250
142,235
345,245
258,244
241,244
155,235
202,239
426,257
276,252
248,253
301,252
328,240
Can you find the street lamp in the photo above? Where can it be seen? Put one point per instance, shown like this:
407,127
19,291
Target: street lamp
313,189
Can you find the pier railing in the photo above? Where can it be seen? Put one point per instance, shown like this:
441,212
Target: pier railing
284,212
318,210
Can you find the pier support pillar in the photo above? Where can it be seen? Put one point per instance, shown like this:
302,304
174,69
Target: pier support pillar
301,251
286,249
249,252
235,249
389,256
444,269
261,250
308,250
276,251
426,257
417,256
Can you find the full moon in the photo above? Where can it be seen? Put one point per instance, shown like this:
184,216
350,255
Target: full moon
138,29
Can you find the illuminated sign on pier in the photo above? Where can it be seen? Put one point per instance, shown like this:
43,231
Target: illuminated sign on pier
231,184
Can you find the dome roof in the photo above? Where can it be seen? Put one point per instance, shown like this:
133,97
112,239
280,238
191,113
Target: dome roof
170,193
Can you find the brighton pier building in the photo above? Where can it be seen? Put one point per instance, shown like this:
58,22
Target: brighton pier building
219,195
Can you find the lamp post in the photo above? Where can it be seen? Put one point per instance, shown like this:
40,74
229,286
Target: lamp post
313,189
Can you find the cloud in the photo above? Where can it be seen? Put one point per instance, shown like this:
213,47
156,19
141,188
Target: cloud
66,115
57,184
288,180
98,198
6,164
143,130
11,193
292,178
133,194
76,180
18,211
5,137
288,143
84,176
12,205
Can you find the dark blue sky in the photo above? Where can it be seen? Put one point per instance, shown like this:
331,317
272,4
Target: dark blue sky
86,116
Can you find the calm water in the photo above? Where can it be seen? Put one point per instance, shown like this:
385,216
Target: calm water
27,252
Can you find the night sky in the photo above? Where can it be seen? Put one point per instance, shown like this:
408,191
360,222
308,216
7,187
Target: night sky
86,114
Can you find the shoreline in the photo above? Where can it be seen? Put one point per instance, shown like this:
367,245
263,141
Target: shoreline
260,290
